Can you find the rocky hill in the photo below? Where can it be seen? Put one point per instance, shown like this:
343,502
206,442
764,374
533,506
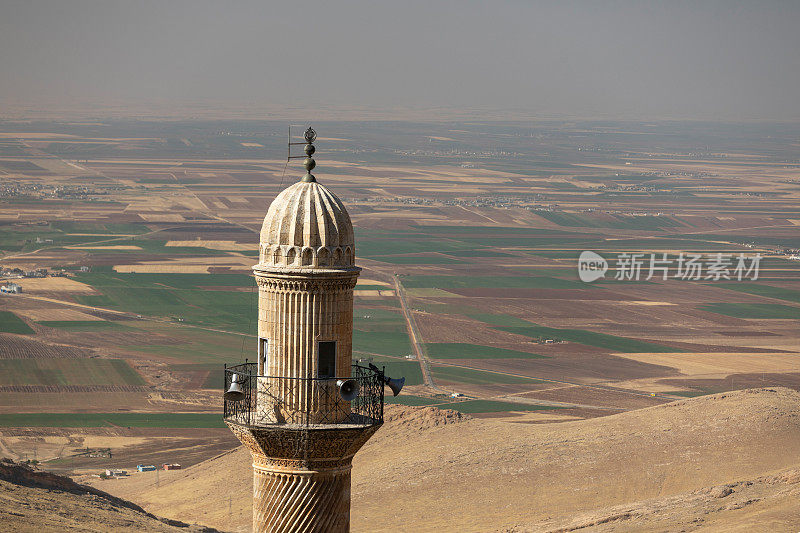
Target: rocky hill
721,462
39,501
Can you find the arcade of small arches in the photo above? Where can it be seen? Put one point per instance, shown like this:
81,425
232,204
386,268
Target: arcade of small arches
306,256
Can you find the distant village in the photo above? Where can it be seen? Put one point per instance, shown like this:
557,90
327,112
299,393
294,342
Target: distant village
112,473
35,190
14,273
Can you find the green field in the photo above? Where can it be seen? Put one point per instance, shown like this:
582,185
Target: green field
90,420
491,406
458,350
492,231
146,245
398,369
376,317
438,308
68,372
747,310
178,296
408,399
84,325
476,377
571,273
558,254
161,281
22,239
68,226
394,246
362,301
590,338
416,259
382,342
380,331
499,319
609,221
215,378
467,254
567,219
470,282
200,347
11,323
759,289
640,245
776,240
530,242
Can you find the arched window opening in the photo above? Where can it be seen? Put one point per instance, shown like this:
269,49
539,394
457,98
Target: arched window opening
307,257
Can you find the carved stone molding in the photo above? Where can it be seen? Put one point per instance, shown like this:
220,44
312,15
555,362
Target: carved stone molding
307,284
282,447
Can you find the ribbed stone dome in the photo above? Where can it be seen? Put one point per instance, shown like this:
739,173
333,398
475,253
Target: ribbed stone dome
307,226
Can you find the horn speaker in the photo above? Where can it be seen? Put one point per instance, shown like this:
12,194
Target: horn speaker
348,389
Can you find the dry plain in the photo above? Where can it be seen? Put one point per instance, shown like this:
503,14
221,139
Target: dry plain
155,240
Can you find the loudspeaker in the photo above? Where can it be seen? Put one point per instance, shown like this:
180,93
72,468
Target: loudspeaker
395,384
348,389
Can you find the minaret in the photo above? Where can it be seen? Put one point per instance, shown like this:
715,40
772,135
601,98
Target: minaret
303,410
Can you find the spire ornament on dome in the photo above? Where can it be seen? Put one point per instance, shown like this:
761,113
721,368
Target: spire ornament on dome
310,135
307,227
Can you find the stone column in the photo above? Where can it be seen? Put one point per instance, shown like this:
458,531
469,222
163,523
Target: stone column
301,500
296,311
301,477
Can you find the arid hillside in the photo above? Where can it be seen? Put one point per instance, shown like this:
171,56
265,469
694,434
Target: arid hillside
722,462
32,501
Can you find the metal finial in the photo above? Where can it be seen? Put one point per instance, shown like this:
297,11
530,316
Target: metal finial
309,162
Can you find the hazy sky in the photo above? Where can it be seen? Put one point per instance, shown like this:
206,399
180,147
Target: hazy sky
724,60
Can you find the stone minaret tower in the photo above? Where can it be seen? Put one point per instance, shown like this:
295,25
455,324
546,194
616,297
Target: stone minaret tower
295,409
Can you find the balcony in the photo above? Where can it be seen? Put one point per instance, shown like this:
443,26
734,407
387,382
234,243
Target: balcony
354,401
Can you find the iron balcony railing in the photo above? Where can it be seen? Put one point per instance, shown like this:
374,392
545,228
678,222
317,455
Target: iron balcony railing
303,402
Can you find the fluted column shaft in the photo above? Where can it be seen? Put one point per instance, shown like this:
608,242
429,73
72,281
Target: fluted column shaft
301,501
296,312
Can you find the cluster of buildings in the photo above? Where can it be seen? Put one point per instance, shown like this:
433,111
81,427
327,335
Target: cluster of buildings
153,468
11,288
118,473
35,273
526,202
482,154
71,192
19,273
632,188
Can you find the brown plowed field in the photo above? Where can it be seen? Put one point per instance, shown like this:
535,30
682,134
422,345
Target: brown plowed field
71,388
538,294
591,396
14,347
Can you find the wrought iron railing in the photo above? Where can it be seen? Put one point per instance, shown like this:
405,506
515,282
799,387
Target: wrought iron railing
305,402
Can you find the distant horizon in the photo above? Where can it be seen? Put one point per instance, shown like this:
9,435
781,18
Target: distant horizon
222,111
721,61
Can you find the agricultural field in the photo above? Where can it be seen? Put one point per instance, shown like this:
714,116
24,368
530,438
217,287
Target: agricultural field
11,323
102,372
96,420
471,243
455,350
